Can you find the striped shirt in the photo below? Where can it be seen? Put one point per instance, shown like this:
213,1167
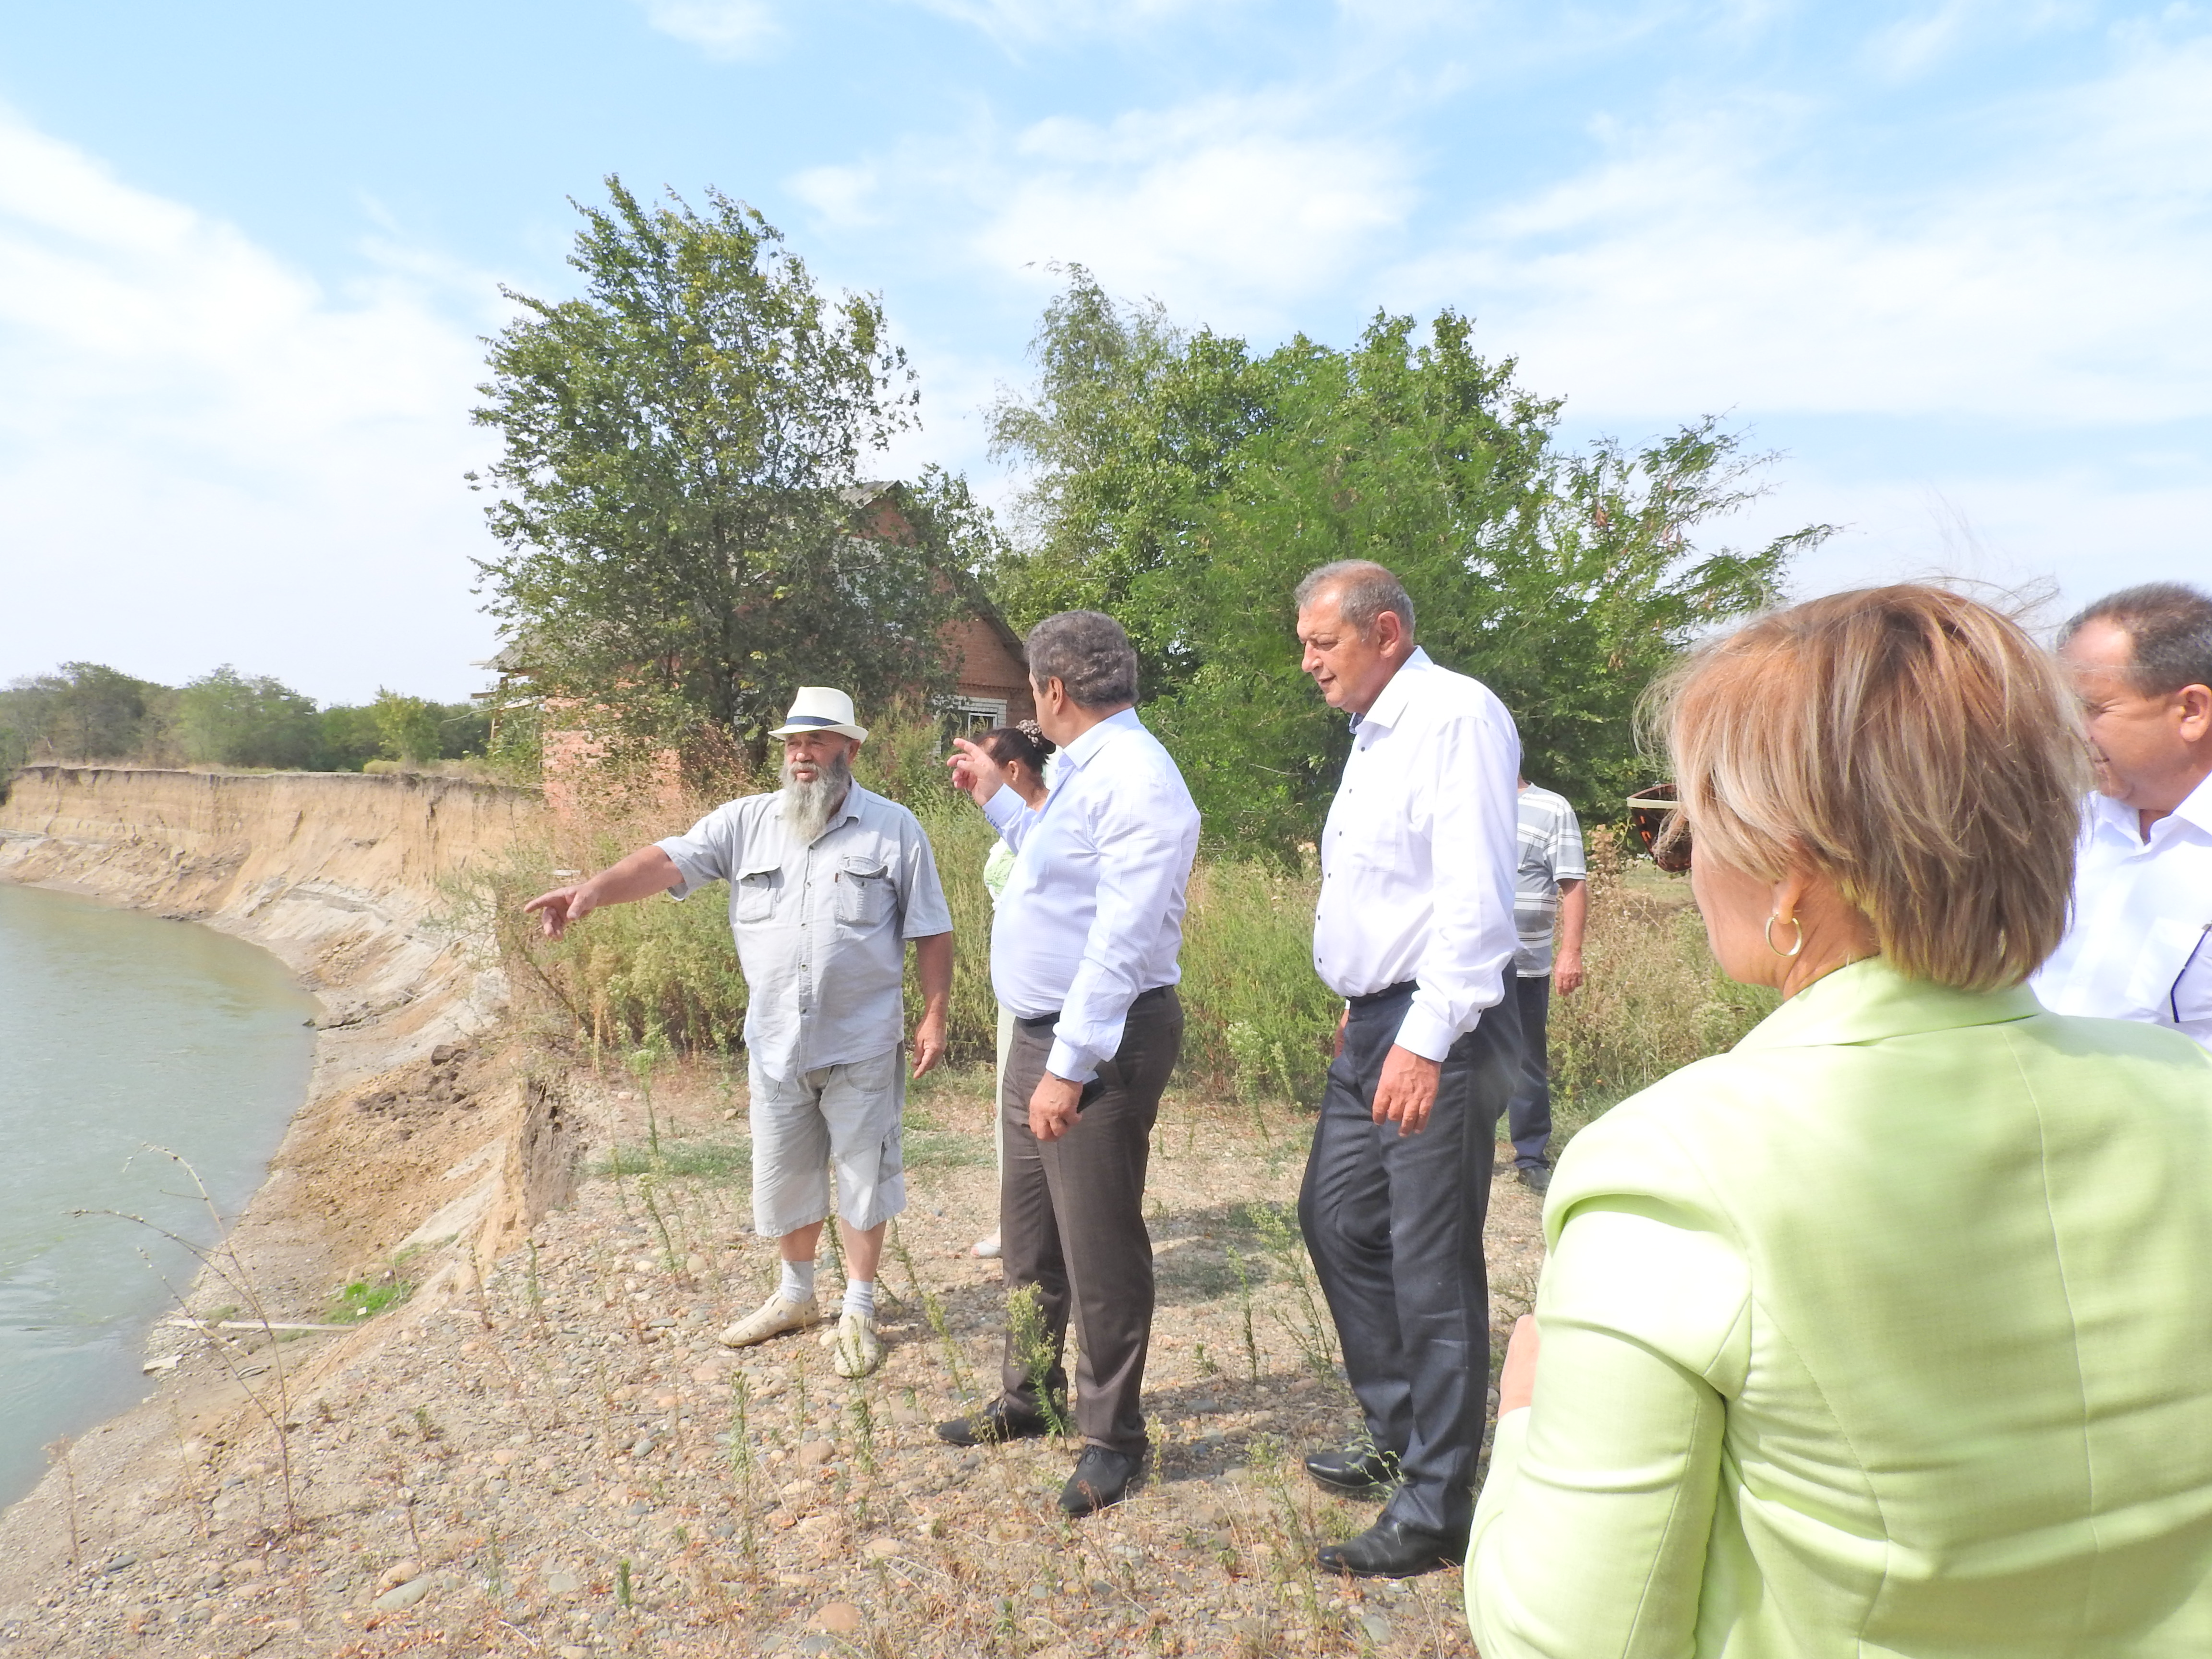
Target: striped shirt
1551,853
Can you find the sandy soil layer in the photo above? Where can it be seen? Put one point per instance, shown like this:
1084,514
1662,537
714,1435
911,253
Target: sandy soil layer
413,1135
562,1458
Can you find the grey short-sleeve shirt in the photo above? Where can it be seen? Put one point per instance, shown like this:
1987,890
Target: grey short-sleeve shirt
821,928
1551,853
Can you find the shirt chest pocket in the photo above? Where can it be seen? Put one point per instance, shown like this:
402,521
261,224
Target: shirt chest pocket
2189,1004
2173,977
753,893
864,892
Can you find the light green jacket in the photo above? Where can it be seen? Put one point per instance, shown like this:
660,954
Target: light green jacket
1888,1333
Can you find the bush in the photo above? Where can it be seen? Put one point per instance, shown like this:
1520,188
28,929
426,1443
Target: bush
1655,1000
350,739
1255,1016
229,718
1258,1021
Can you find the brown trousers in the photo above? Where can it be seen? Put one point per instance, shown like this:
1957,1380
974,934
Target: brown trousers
1072,1223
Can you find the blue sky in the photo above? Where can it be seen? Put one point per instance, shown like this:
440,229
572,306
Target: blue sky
1954,259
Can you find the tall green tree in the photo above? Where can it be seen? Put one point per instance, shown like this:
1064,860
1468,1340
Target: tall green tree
409,726
350,738
229,718
82,711
676,486
1185,484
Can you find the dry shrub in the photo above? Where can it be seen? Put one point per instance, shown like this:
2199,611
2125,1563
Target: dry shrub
1256,1018
1259,1022
1654,1000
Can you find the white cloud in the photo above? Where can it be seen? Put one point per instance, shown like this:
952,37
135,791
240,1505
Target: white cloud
1230,209
1024,21
721,28
1220,207
1929,36
204,456
2079,527
1707,264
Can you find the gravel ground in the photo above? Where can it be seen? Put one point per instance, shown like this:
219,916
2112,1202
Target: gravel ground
562,1458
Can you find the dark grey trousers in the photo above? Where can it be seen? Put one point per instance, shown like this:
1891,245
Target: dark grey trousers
1528,1115
1072,1223
1394,1226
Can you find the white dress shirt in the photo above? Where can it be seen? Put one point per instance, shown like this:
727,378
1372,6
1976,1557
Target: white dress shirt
1418,856
820,927
2137,947
1092,916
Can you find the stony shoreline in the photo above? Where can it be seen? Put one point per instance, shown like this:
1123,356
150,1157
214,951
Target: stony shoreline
559,1458
411,1127
544,1449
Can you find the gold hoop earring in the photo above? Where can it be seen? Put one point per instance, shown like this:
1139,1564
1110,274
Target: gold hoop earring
1794,948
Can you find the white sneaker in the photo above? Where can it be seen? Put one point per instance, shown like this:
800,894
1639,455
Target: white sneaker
858,1350
986,1247
774,1317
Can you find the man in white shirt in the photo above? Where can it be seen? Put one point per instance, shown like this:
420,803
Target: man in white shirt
2140,946
1415,930
828,884
1084,944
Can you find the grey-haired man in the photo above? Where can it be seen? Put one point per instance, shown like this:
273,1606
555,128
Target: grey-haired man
828,884
1414,930
1083,950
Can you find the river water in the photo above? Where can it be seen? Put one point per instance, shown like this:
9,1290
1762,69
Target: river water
118,1030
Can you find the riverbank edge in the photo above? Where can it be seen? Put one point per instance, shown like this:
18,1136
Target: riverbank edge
345,878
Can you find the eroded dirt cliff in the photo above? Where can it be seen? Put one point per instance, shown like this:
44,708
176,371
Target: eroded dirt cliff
424,1129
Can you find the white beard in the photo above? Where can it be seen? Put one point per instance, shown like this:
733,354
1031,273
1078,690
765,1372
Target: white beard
807,806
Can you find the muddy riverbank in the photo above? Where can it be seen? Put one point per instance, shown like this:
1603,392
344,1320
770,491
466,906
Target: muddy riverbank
415,1134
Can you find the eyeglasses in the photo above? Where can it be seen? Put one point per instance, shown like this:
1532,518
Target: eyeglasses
1656,818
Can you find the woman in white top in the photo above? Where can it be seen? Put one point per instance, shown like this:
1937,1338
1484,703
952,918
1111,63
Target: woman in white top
1020,750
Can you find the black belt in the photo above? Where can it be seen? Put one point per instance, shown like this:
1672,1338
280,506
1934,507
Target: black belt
1404,988
1046,1022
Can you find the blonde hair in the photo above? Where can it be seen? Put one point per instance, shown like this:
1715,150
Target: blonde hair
1912,745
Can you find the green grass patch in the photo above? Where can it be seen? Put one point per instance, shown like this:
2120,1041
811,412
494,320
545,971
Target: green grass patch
945,1149
715,1159
365,1298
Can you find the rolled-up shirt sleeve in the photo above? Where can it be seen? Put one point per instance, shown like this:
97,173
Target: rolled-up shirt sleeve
705,853
921,895
1590,1533
1475,838
1146,838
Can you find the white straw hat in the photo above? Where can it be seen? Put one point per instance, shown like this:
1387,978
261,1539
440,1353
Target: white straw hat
821,709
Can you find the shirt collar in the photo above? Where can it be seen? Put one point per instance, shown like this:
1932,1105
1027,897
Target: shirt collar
1870,1000
2196,810
1100,735
1390,704
2196,806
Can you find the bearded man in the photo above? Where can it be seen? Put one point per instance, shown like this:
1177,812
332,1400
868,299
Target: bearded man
828,884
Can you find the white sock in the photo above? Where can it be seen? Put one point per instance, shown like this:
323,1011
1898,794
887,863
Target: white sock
797,1282
860,1297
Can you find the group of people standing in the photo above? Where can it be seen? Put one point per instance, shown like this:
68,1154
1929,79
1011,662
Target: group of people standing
1806,1301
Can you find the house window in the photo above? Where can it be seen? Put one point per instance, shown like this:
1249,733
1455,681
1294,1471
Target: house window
973,716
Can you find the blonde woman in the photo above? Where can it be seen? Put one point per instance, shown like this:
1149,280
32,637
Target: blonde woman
1890,1332
1021,750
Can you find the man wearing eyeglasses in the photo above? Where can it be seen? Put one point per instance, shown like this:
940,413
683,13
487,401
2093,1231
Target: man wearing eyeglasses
2141,944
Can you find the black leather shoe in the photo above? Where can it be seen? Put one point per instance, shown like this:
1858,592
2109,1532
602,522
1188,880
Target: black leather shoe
1101,1478
1354,1471
999,1421
1391,1549
1536,1177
